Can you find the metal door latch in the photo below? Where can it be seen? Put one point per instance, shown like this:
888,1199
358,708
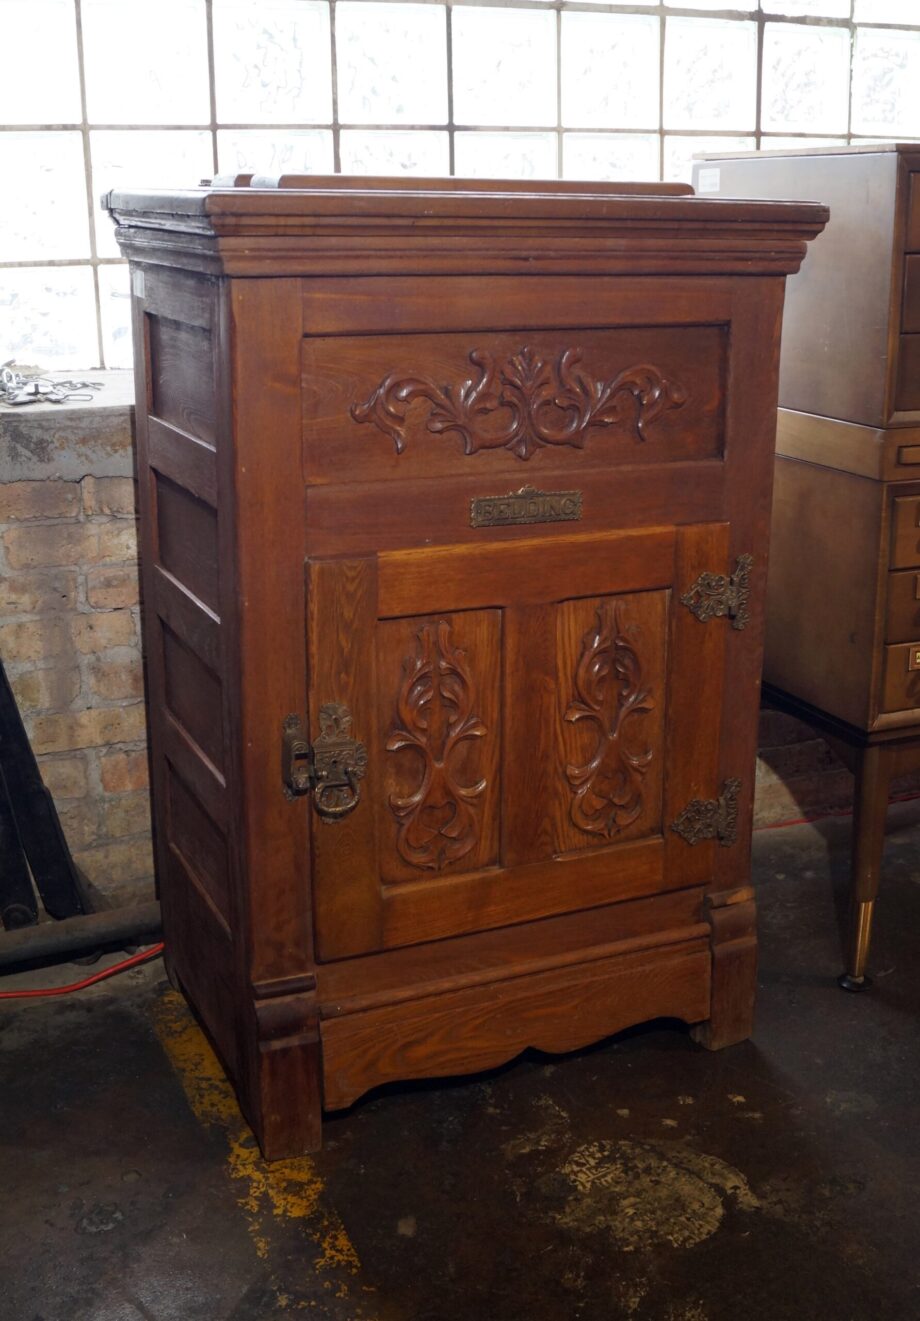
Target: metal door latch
329,768
716,594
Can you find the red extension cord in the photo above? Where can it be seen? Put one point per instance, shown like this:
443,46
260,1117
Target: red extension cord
134,960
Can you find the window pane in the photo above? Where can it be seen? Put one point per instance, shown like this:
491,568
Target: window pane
49,219
146,62
377,83
886,82
146,158
505,155
272,61
623,156
710,73
48,315
808,8
806,78
504,66
400,152
592,46
115,302
886,11
710,4
264,151
40,85
679,153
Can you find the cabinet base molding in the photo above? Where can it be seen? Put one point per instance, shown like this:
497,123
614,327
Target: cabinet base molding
484,1026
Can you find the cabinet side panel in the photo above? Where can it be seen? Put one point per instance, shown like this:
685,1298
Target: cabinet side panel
179,381
838,307
821,601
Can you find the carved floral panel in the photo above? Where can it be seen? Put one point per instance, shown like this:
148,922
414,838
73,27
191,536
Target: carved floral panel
441,743
612,690
523,402
382,407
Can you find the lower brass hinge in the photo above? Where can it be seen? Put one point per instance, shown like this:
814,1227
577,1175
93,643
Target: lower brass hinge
711,818
329,768
714,595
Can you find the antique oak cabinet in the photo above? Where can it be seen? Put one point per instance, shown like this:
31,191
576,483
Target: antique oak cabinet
455,503
843,600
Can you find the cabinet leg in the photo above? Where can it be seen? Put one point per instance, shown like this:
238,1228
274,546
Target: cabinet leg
285,1101
732,921
869,815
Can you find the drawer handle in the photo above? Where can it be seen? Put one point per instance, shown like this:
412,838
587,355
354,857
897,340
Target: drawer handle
913,658
917,586
329,768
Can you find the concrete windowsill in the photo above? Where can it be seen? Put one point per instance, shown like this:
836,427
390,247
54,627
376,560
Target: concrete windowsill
66,441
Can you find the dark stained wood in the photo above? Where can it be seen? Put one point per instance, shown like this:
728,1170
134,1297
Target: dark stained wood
181,391
200,845
185,460
354,307
193,696
189,619
538,703
187,539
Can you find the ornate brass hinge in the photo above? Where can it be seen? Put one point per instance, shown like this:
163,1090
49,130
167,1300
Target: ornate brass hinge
711,818
717,594
329,768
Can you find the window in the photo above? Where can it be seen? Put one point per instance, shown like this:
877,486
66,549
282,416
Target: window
109,93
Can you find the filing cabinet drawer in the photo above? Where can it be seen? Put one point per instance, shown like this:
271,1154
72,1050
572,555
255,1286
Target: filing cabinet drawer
905,532
910,303
912,237
901,684
907,393
903,614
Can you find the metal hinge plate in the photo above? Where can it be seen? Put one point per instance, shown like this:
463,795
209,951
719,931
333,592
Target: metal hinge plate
329,768
714,595
711,818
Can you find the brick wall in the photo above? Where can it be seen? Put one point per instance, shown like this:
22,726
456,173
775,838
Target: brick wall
69,637
69,627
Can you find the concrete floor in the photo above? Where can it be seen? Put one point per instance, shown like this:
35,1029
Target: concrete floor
643,1178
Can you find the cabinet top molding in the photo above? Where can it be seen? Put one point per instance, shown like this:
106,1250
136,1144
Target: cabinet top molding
337,225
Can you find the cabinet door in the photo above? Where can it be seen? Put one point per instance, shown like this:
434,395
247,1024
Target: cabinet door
536,713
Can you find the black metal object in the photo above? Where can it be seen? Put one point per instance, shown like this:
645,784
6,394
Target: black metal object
30,811
18,907
90,931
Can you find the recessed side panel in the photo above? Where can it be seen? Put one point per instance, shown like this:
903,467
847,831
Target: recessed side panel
181,377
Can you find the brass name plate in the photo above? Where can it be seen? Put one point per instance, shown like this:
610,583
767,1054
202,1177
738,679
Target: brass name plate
525,506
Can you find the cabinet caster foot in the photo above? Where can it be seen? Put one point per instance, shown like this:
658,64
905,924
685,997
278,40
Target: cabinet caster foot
848,983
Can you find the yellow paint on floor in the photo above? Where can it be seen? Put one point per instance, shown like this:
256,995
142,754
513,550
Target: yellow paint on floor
284,1189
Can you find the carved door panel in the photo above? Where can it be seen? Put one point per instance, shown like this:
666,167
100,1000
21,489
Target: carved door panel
535,713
